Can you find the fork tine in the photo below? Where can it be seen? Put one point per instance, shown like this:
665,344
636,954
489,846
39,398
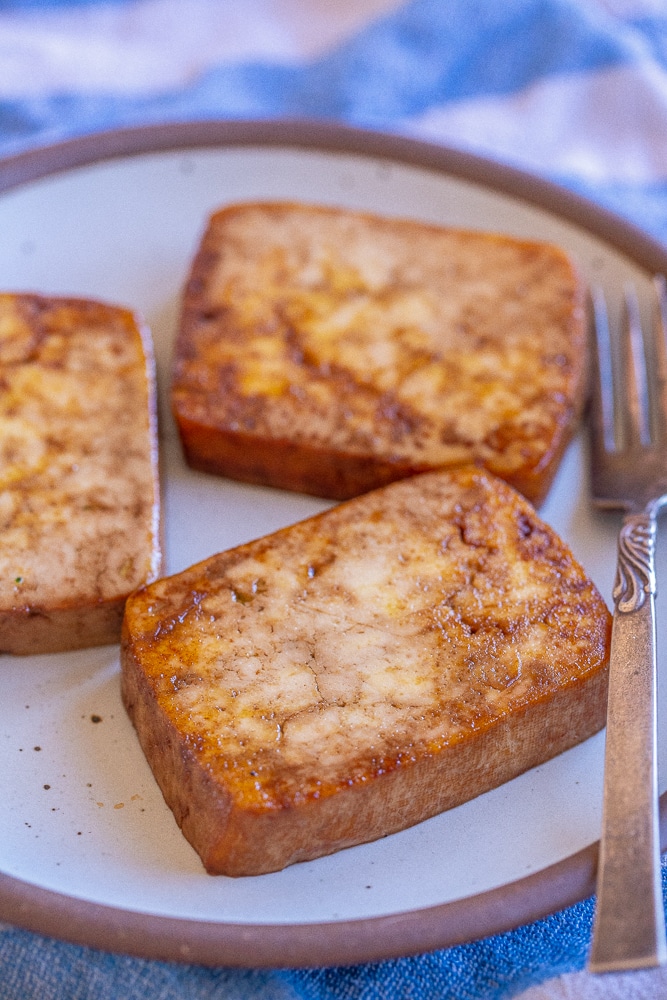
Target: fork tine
658,364
602,394
630,388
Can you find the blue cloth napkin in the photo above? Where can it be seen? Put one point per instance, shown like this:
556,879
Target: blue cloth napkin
575,90
495,968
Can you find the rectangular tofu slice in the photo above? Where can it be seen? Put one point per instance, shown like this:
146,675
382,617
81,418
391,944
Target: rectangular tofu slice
79,494
360,671
330,352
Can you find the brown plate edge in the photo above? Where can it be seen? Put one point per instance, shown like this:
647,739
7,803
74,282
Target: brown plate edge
337,943
326,137
346,942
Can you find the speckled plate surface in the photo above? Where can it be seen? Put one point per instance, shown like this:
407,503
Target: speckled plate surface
88,850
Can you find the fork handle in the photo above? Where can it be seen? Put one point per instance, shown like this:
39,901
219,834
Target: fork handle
629,929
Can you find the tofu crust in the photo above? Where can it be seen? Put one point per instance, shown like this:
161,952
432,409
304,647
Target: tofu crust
79,491
331,352
363,670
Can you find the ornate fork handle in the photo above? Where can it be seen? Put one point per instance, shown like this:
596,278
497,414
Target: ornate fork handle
635,572
629,922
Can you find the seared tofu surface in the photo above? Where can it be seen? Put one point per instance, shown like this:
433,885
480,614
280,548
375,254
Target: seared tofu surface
359,671
79,495
330,351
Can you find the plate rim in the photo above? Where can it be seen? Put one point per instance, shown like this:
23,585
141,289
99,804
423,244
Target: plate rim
345,942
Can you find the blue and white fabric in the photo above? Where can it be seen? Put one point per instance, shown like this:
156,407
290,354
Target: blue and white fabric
574,90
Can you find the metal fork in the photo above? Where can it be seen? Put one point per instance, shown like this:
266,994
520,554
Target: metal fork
629,471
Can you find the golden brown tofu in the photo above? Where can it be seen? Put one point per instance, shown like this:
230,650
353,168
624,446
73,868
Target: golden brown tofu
79,496
362,670
331,352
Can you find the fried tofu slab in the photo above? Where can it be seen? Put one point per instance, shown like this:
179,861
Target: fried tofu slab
331,352
360,671
79,494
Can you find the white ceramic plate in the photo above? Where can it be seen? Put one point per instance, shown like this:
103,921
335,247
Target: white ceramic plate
88,849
